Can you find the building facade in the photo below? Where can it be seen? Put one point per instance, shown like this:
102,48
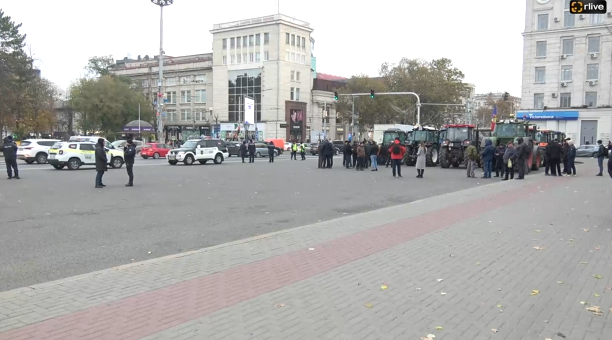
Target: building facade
186,88
567,70
267,59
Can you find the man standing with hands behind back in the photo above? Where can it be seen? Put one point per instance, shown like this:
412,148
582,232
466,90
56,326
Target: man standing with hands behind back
129,153
100,163
9,150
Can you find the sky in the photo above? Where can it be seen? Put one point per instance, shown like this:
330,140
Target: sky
483,39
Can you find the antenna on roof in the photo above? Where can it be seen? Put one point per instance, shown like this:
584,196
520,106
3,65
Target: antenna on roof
278,6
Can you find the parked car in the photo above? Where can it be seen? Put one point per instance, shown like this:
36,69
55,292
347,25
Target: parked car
287,146
155,150
261,150
587,151
120,144
233,148
35,150
313,149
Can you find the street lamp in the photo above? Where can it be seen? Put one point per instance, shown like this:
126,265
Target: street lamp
160,122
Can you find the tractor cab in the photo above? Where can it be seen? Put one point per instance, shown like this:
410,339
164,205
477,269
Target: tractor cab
458,135
429,136
389,136
425,134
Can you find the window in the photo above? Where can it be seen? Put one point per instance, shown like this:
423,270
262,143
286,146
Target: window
238,42
593,44
200,96
238,58
565,100
297,94
297,76
232,43
292,75
251,57
244,41
244,58
171,97
200,78
303,42
171,81
257,57
592,71
224,60
266,38
186,114
185,96
596,19
567,46
87,147
241,83
538,100
293,93
567,4
288,56
232,59
266,55
540,49
292,57
298,41
303,59
184,80
144,83
251,40
199,115
569,19
540,75
293,40
171,115
224,43
566,72
590,99
257,39
542,22
287,38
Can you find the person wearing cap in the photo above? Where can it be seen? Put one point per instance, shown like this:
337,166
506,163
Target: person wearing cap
9,150
100,163
129,153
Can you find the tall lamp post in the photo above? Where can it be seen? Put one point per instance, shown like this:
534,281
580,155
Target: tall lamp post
160,122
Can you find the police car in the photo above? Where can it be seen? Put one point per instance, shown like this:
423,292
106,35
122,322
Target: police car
201,150
76,154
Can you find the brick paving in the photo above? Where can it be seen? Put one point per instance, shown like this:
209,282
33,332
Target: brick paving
313,282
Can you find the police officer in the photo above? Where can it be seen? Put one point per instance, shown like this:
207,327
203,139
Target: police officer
9,150
129,153
252,151
303,151
243,150
271,151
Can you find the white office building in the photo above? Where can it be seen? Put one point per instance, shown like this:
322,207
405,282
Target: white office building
567,70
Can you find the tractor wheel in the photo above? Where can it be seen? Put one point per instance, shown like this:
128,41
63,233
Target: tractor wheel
431,158
444,158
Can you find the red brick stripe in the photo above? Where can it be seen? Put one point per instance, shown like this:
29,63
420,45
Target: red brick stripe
152,312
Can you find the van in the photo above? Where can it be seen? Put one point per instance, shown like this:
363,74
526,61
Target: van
279,143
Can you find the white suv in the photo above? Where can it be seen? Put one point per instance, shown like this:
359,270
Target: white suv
201,150
35,150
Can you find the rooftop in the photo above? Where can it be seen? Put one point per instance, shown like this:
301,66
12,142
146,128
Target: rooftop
325,76
261,20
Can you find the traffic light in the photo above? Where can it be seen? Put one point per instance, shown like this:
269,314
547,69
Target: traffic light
335,95
506,94
372,94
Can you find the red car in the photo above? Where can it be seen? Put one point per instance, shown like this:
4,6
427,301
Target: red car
155,150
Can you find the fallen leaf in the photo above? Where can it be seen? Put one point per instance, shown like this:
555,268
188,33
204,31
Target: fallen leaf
418,289
548,339
369,305
535,292
439,328
499,306
278,305
494,330
583,302
597,248
440,280
583,262
561,335
383,287
310,248
585,230
597,276
560,282
478,263
539,248
443,293
538,231
596,295
595,310
149,252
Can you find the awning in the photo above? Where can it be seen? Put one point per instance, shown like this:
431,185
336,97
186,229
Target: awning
548,115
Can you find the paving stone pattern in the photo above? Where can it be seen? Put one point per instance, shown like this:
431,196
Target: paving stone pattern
481,248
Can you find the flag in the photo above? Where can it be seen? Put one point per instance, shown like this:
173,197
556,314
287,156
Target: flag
493,117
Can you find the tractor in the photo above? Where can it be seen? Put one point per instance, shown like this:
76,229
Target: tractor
510,130
455,139
545,137
429,136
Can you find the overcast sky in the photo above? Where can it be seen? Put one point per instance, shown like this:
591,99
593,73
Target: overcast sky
481,37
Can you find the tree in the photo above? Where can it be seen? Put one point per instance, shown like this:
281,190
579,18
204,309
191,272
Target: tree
484,114
106,104
100,66
436,82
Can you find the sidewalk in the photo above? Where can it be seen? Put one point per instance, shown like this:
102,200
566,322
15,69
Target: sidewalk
458,266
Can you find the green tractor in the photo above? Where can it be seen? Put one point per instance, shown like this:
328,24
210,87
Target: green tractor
429,136
455,139
510,130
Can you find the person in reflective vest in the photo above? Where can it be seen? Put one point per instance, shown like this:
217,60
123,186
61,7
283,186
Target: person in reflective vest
303,151
294,149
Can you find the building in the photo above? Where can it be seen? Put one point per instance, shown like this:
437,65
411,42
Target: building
269,60
187,112
567,70
324,121
483,99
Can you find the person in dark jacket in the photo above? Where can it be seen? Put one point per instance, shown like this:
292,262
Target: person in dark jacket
487,155
9,150
100,163
374,156
321,155
510,156
499,160
571,158
252,150
521,158
564,150
553,155
368,152
348,153
546,160
383,153
243,150
271,151
355,145
601,154
610,166
129,153
329,154
360,157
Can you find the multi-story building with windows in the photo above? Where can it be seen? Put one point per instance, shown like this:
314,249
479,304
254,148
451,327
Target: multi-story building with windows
187,110
267,59
567,70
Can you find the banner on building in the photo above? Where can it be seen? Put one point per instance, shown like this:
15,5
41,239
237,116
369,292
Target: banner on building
249,110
